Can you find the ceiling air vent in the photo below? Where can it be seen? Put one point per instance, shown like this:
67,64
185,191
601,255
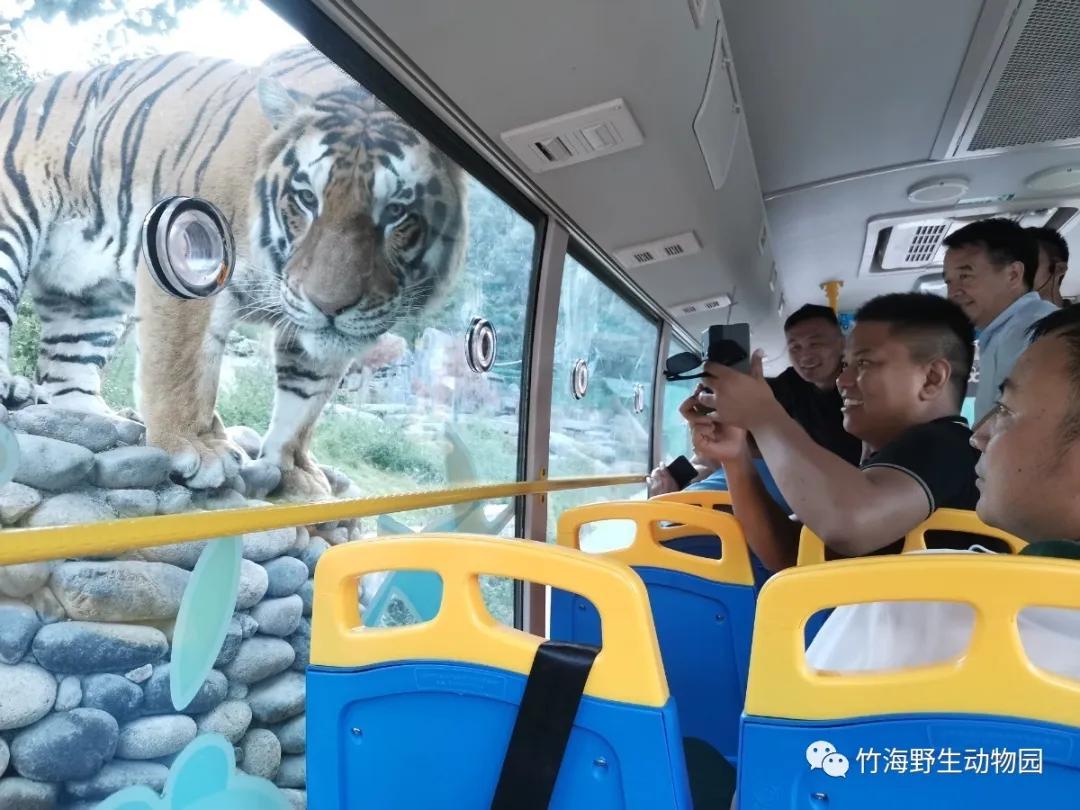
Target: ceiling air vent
1017,87
702,307
578,136
914,243
671,247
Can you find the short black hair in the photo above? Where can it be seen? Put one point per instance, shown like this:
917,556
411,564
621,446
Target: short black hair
1005,242
1064,323
811,312
931,326
1052,242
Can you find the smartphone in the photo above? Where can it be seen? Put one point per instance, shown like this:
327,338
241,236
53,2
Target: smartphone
682,471
729,345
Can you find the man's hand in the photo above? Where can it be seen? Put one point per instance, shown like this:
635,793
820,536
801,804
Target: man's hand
737,399
661,482
718,443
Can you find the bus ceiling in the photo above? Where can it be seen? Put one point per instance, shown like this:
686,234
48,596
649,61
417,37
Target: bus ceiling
731,157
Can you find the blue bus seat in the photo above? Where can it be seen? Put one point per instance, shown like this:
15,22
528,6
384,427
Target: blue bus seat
985,729
421,715
703,609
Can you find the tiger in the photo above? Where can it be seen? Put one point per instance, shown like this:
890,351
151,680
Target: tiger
347,221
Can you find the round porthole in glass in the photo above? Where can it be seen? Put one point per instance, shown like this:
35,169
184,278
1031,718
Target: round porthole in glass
579,379
189,247
481,344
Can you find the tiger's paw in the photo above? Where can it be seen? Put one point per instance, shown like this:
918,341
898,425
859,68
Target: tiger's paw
203,462
16,391
304,482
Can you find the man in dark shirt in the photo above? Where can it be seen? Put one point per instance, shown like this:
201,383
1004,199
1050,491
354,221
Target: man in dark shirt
806,390
1028,476
903,381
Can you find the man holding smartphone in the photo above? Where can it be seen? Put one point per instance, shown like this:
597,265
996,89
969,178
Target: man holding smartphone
903,382
806,391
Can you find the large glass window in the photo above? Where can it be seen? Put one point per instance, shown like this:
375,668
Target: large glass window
603,430
372,377
370,341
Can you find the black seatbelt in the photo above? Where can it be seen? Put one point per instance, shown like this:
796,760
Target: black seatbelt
542,729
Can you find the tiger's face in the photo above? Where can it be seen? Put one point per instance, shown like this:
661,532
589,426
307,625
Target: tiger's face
360,221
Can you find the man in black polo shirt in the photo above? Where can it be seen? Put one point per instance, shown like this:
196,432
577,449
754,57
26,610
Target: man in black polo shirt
903,381
806,390
1028,476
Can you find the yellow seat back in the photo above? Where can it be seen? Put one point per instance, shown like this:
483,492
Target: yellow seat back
647,547
812,549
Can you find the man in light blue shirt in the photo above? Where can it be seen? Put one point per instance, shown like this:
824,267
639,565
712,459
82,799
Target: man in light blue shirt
990,270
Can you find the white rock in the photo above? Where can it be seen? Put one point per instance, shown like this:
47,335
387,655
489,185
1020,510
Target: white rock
260,658
153,737
278,617
18,626
286,576
293,735
182,555
253,585
47,606
262,753
117,775
173,499
141,674
27,693
231,719
23,579
15,501
69,695
70,509
51,464
132,502
292,773
278,698
119,591
131,468
94,432
26,794
263,546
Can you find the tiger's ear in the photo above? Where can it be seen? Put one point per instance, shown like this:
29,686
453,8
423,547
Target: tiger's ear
279,104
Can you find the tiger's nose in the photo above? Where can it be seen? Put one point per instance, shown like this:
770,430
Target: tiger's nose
328,305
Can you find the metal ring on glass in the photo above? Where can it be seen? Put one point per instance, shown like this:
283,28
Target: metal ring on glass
579,379
639,398
481,344
189,247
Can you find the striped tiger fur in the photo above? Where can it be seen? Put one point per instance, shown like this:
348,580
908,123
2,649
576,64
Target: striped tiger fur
346,221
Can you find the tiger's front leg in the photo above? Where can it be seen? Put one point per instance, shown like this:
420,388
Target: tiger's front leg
304,386
181,344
